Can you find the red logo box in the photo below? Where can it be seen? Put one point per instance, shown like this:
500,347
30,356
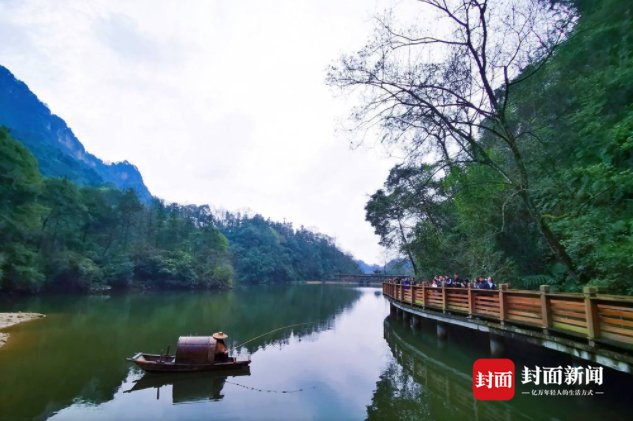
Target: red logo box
493,379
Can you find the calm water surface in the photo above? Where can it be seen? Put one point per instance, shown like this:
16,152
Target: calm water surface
352,361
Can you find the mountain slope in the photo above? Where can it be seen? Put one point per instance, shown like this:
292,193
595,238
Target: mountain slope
397,266
58,151
368,269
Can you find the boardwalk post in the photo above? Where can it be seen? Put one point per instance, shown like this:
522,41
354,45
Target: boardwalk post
412,294
545,310
502,305
423,296
591,313
470,300
444,298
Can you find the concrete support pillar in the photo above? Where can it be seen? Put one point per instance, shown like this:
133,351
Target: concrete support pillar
442,333
497,347
415,322
406,317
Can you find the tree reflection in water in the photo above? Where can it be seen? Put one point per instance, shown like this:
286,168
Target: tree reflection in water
428,378
422,382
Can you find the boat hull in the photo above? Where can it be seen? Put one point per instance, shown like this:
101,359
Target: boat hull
155,363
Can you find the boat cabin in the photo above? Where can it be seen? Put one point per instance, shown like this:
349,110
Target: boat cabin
195,350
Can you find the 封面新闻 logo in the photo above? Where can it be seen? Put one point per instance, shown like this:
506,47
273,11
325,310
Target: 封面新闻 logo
493,379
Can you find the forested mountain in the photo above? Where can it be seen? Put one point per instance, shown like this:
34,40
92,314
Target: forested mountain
531,182
58,151
70,222
267,251
368,269
55,235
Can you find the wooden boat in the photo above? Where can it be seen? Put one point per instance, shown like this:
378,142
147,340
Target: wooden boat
193,353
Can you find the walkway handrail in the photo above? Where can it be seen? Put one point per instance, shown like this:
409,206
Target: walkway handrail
597,317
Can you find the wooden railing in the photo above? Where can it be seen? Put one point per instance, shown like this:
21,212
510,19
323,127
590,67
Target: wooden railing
596,317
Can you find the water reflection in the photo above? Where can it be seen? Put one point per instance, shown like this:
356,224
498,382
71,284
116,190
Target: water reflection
187,387
328,374
431,378
424,382
351,364
77,354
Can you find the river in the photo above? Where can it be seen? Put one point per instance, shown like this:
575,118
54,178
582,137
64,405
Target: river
349,361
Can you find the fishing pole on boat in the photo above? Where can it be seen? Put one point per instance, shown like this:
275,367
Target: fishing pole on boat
273,331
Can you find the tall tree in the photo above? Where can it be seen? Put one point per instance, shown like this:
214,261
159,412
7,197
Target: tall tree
411,196
20,185
438,93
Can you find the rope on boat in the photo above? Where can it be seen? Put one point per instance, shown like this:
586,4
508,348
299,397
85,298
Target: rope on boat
264,390
273,331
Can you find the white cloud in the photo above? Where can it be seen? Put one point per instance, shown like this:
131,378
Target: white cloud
220,102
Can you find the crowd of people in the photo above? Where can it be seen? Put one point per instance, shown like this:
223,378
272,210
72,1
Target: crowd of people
457,282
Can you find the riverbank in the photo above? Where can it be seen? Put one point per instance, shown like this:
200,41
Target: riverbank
12,319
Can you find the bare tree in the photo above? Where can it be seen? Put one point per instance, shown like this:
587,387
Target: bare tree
437,93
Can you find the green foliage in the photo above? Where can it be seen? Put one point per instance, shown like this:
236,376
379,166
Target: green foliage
534,281
576,116
271,252
20,184
588,194
118,272
55,235
69,270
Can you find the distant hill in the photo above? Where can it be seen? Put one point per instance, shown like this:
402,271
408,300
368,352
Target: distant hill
398,266
247,249
58,151
265,251
368,269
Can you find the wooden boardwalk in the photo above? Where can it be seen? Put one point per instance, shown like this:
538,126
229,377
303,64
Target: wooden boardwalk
590,325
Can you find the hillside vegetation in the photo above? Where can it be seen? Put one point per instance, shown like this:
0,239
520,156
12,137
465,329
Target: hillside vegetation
534,183
56,235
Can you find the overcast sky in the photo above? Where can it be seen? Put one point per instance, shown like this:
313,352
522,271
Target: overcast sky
219,102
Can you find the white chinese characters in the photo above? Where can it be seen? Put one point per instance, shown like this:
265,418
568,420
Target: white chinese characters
558,375
494,379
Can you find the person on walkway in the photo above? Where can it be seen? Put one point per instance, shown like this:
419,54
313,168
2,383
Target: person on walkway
457,281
